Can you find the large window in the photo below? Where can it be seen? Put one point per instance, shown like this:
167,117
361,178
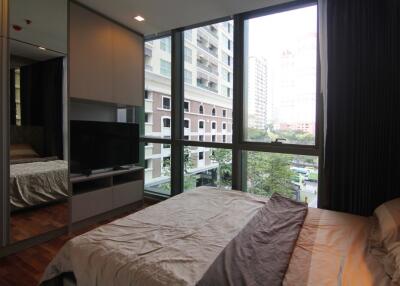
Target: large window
280,104
157,168
281,73
212,96
157,119
273,119
157,103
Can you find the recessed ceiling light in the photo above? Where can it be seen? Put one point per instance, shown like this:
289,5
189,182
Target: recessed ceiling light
139,18
42,48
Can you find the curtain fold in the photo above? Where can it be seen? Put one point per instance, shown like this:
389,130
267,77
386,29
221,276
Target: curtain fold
362,151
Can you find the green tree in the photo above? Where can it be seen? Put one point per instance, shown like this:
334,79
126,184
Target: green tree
189,180
224,159
269,173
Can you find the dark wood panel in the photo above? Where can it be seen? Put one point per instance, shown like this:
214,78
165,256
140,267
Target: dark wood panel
30,223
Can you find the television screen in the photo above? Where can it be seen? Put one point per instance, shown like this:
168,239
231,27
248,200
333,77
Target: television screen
100,145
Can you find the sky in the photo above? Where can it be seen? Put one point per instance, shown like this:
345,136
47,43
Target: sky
269,36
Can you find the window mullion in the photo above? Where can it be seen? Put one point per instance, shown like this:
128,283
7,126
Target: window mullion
177,112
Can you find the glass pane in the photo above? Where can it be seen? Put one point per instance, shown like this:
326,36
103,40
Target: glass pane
158,168
157,103
207,167
208,82
280,77
295,176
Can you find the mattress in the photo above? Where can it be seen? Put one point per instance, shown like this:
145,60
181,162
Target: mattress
38,183
176,241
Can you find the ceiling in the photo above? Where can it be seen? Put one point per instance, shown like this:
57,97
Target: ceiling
40,23
165,15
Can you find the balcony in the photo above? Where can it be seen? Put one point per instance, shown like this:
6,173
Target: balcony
207,64
212,30
207,43
207,84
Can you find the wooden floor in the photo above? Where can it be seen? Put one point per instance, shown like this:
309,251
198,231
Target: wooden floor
29,223
26,267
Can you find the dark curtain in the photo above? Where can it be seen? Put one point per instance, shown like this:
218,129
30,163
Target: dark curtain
41,102
362,152
13,110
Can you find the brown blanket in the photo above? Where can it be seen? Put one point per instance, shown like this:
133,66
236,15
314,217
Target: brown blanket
260,253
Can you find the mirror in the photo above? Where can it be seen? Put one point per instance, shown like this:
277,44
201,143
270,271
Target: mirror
38,117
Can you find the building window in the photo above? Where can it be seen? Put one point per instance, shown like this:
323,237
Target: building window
201,155
186,106
167,146
201,109
166,103
165,68
213,112
224,138
147,164
226,91
188,77
201,124
201,138
226,75
146,117
146,94
224,113
186,137
213,138
166,122
165,44
186,123
188,55
224,126
166,162
214,125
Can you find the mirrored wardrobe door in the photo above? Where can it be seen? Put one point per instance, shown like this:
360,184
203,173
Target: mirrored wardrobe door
38,188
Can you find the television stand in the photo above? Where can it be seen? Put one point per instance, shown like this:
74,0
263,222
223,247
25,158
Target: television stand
120,168
105,195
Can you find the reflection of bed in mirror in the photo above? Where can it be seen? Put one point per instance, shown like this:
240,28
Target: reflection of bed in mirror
38,188
35,180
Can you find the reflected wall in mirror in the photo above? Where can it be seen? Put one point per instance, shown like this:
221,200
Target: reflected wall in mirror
38,107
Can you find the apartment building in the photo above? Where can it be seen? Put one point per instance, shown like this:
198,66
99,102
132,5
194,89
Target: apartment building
208,77
258,97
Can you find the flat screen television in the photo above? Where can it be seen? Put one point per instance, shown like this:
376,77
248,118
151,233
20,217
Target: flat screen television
102,145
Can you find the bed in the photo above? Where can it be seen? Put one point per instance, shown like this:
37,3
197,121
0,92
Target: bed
38,182
35,180
193,237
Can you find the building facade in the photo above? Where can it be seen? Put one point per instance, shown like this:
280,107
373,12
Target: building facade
208,77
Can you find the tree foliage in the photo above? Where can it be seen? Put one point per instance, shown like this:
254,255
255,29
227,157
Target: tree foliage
268,173
224,159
